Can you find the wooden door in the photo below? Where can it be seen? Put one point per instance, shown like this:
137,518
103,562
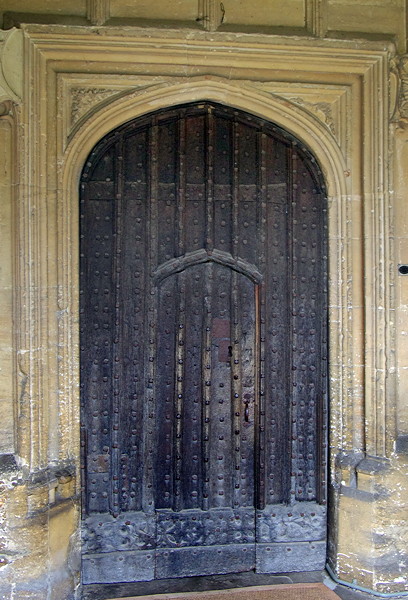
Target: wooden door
203,349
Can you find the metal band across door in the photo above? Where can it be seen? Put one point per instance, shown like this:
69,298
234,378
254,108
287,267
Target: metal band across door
203,348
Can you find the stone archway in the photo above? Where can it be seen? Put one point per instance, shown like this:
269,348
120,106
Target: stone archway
320,95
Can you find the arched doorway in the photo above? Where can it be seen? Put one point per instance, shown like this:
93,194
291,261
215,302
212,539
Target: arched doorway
203,348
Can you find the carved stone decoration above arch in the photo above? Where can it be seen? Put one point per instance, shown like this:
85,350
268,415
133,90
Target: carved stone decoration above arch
84,99
86,96
329,104
245,95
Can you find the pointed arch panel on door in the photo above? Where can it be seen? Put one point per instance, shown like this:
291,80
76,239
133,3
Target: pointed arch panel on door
203,348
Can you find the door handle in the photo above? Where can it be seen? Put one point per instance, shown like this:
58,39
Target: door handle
247,400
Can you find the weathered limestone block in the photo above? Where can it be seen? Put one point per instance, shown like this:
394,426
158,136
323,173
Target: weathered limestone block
372,531
38,540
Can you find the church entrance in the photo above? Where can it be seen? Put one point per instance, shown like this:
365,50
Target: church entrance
203,349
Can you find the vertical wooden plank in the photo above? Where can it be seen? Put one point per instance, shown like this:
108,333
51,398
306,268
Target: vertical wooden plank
276,301
260,326
295,334
96,324
192,387
179,391
206,376
248,162
165,388
196,179
245,330
323,405
235,189
181,188
260,440
117,349
223,177
209,151
168,144
150,330
221,390
309,308
238,407
134,280
179,394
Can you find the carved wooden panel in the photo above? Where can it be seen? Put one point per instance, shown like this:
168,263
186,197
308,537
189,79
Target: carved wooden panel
203,343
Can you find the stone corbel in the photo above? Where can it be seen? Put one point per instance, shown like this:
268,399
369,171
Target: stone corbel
98,11
346,463
51,486
211,14
6,108
359,475
316,17
369,475
11,65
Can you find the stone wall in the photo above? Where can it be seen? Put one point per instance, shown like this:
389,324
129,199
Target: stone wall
334,74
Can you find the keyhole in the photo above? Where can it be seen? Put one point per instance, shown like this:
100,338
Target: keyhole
230,351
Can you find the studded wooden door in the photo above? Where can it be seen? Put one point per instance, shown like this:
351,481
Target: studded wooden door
203,349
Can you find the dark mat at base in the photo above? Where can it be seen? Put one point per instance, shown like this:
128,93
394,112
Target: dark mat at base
293,591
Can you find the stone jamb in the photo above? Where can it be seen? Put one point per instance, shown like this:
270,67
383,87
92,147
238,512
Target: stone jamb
9,119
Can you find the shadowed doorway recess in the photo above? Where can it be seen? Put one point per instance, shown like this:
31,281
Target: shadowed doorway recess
203,349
